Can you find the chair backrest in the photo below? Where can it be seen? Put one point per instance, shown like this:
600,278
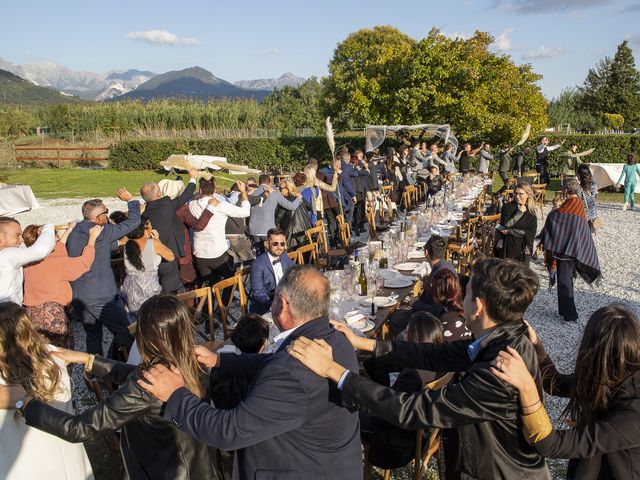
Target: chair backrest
318,235
235,284
311,250
293,256
387,189
203,295
345,231
371,219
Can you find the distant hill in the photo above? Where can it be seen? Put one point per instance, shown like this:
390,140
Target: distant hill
194,82
16,90
286,80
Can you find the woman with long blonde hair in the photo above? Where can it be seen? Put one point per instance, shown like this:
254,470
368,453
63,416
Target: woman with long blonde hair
517,227
26,363
152,447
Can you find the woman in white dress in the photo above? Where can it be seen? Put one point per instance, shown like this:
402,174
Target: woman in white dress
25,361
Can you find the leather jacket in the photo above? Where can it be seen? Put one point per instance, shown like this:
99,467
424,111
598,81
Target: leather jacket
152,447
480,410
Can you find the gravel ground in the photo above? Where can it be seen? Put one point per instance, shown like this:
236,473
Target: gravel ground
617,244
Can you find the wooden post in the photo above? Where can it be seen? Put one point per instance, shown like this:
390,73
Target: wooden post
58,152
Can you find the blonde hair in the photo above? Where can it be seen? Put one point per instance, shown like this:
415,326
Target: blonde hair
531,201
24,357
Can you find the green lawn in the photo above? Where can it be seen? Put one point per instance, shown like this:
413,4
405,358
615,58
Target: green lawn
69,183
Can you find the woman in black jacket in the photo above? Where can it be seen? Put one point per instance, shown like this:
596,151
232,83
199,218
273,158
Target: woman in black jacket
604,398
517,228
152,447
294,222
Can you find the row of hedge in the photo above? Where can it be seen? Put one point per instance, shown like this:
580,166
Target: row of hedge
290,153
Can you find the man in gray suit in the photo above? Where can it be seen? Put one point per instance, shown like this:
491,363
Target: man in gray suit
262,217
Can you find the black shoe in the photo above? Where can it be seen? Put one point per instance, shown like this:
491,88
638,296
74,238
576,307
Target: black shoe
569,319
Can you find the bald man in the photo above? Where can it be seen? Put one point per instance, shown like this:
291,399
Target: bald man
290,425
161,211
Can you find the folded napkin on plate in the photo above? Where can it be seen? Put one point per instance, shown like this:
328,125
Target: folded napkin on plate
423,270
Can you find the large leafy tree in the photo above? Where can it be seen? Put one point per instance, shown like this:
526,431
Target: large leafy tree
613,86
567,110
434,80
292,108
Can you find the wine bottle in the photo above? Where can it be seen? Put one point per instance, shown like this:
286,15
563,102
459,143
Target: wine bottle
362,282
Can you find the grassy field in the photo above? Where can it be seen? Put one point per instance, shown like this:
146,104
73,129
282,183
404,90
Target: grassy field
77,183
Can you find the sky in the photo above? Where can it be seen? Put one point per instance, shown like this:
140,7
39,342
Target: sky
243,40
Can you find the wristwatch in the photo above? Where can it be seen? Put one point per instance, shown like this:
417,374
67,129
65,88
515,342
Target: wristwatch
22,403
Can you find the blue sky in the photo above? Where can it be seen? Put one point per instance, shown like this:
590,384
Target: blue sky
235,40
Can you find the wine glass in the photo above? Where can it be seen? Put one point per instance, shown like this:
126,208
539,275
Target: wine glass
349,286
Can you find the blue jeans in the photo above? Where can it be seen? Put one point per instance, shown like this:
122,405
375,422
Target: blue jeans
96,312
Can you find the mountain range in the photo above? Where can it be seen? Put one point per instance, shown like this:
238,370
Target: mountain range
18,91
114,84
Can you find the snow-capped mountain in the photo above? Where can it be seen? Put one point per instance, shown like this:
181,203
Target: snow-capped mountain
87,85
286,80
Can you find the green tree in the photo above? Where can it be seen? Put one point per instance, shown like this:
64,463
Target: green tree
567,109
15,121
614,86
383,76
291,108
613,120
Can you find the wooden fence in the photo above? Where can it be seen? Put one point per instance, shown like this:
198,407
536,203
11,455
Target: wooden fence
61,154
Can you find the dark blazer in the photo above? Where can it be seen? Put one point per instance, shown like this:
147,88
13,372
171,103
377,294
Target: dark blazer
483,410
162,214
152,447
606,449
99,281
347,184
263,282
291,425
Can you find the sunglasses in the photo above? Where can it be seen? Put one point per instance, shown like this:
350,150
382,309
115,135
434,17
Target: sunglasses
279,244
106,212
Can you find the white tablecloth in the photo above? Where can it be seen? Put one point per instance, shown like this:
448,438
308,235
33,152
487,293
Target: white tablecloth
607,174
17,198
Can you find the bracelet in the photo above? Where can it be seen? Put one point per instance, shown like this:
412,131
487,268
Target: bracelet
89,365
529,406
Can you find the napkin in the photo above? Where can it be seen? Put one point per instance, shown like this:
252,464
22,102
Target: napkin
423,270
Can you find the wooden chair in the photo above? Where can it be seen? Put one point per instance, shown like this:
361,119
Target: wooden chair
371,219
312,251
407,199
461,258
235,284
111,437
466,234
422,455
488,232
203,297
539,191
345,231
293,256
318,235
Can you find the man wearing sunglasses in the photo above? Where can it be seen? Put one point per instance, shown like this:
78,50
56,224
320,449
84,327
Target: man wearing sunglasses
267,270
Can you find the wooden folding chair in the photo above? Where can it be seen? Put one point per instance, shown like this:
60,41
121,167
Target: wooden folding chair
235,284
488,233
318,235
345,231
539,191
293,256
203,297
111,437
312,251
371,219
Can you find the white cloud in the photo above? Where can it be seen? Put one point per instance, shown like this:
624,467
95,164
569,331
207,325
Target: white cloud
542,52
457,35
502,43
270,51
543,6
162,38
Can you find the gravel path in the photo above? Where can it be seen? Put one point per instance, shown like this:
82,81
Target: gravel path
617,242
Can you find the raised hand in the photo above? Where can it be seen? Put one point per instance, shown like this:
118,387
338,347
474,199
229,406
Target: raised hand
205,356
124,195
193,173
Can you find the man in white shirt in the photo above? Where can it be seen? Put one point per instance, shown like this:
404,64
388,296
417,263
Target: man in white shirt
542,158
13,255
210,245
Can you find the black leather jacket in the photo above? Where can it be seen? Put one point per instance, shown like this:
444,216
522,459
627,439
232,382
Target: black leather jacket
152,447
480,409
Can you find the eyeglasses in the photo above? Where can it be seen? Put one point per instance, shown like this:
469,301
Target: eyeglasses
106,212
278,244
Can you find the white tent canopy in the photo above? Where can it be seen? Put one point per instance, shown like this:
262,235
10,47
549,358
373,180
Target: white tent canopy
375,134
204,162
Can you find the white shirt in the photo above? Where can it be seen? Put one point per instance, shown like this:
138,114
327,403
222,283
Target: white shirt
540,148
211,242
281,337
13,258
277,268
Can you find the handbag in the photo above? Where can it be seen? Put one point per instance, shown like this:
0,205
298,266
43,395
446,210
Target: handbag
597,223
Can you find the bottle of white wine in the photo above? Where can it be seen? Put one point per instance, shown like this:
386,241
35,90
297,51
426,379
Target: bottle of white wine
362,281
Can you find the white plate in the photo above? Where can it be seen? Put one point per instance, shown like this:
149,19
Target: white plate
363,326
407,266
380,302
398,283
418,255
419,244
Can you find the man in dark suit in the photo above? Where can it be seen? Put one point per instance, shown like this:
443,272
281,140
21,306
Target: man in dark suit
95,295
291,425
161,211
346,184
267,270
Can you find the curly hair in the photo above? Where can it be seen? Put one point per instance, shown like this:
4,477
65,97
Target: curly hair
24,357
